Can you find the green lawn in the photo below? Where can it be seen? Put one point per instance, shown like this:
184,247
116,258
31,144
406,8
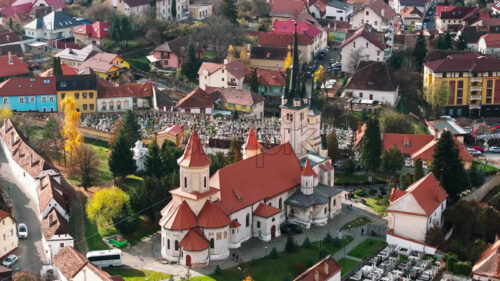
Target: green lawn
35,133
367,248
356,222
101,149
269,269
347,265
144,230
209,54
141,63
378,205
484,167
132,274
132,181
94,236
355,179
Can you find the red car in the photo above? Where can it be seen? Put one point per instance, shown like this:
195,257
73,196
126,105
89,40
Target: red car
478,148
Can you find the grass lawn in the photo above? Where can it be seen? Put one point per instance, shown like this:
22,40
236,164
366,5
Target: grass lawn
132,274
269,269
209,54
36,133
484,167
94,236
347,265
141,63
366,248
132,181
377,205
356,222
145,229
102,151
354,179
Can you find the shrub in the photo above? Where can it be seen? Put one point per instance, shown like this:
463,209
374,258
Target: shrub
328,237
299,267
217,270
360,193
290,244
462,268
373,191
336,243
306,243
274,253
450,263
322,254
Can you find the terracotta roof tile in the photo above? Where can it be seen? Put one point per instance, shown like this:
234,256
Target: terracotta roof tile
194,240
319,268
54,224
489,263
284,40
268,77
236,96
17,67
196,99
108,90
50,189
379,7
266,211
288,27
180,217
234,223
363,32
69,262
427,152
492,40
194,154
287,8
212,217
406,143
252,143
236,68
3,214
396,194
373,76
308,171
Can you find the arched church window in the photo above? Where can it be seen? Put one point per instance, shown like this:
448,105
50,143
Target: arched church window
248,220
185,182
212,243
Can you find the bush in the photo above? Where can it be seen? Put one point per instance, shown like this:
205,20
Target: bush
322,253
450,263
462,268
328,237
306,243
360,193
217,270
336,243
274,253
299,267
290,244
373,191
140,64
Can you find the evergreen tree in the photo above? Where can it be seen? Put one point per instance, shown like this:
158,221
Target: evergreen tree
253,80
448,41
191,64
447,166
392,161
333,146
234,154
131,128
290,244
115,30
418,171
229,10
462,42
120,161
371,148
420,50
11,24
56,66
125,28
153,163
174,10
169,155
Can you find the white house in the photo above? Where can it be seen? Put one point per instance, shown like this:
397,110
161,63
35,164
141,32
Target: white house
164,10
363,45
412,212
140,153
421,5
56,234
117,98
489,44
51,197
54,26
372,81
412,17
338,10
482,269
226,75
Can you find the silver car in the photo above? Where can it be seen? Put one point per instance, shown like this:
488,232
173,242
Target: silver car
494,149
22,231
10,260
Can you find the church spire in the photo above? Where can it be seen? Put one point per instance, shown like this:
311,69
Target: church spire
293,91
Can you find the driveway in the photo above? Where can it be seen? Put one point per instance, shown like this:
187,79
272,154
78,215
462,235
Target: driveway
25,210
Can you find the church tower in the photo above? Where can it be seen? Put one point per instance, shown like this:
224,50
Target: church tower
294,107
252,146
308,179
194,167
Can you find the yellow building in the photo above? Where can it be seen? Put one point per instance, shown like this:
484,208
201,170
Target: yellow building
107,66
8,234
472,81
244,101
82,87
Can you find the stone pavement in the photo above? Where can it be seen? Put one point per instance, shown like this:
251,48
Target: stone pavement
146,255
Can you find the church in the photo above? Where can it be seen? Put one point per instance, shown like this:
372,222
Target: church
209,216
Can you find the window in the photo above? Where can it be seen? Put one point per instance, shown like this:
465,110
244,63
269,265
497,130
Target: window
91,95
84,107
212,243
44,109
51,99
185,182
367,44
21,100
489,91
32,99
77,96
168,244
258,224
176,245
354,44
247,220
367,13
361,94
44,99
63,84
91,107
280,203
84,95
325,211
61,245
219,236
334,202
205,182
63,95
5,100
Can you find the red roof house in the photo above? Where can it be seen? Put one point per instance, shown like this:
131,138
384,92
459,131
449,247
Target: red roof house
406,143
324,270
488,266
95,33
12,66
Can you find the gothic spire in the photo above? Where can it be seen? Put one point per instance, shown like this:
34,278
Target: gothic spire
294,73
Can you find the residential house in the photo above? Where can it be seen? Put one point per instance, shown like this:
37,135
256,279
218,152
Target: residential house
6,273
305,43
170,55
362,45
66,70
412,212
14,49
268,57
55,5
271,82
437,127
94,34
285,9
426,153
222,75
452,18
107,66
83,88
472,79
130,7
317,8
54,26
489,44
12,66
408,144
372,81
8,37
338,29
29,94
421,5
198,101
116,98
338,10
244,101
487,268
326,269
173,133
162,102
8,233
317,34
488,22
51,197
473,34
19,19
200,11
412,17
75,57
164,10
56,234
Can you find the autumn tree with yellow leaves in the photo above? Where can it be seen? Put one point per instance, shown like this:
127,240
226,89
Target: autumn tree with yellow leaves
72,137
244,56
5,113
230,53
288,59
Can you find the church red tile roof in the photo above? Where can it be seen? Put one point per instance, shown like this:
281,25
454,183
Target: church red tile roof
288,27
427,192
98,29
308,171
69,262
234,223
181,217
252,143
363,32
396,194
323,167
489,263
194,240
329,165
245,183
212,217
194,155
406,143
284,40
266,211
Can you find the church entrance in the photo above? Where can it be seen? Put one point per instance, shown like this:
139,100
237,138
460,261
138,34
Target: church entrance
188,260
273,232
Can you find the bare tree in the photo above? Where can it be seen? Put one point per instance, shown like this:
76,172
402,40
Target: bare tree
218,32
260,8
84,165
101,12
356,57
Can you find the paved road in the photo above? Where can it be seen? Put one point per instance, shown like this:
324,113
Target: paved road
30,250
481,192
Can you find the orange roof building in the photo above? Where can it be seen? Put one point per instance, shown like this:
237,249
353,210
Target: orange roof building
488,266
326,269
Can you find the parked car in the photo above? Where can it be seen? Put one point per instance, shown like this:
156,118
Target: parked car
337,66
329,84
494,149
478,148
474,152
290,228
22,231
10,260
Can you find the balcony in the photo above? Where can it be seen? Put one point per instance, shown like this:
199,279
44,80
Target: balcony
476,88
475,106
475,97
476,79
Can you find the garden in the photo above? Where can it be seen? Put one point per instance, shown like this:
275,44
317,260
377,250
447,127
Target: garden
132,274
367,248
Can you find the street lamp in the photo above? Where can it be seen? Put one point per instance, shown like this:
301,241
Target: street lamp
265,251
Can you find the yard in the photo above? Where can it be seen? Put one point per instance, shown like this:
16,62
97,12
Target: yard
359,221
367,248
347,265
141,63
286,265
354,179
94,236
378,205
132,274
101,149
484,167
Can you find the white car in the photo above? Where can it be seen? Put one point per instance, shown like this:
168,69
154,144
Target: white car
474,152
22,230
10,260
495,149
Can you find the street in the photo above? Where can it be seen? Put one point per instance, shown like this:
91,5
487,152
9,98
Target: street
25,210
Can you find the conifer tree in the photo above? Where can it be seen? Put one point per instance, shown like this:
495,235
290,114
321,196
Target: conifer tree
131,128
56,66
229,10
462,42
371,148
153,163
333,146
191,64
120,161
420,50
253,80
234,152
418,171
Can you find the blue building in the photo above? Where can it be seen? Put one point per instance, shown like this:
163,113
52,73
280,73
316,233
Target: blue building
29,94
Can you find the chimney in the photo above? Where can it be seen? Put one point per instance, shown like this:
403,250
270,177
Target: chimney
316,275
225,61
7,37
10,58
326,267
383,12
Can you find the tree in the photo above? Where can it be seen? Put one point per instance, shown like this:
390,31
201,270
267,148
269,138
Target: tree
105,205
145,199
495,202
11,24
52,134
120,161
435,237
229,10
191,64
56,66
448,41
125,28
174,10
333,146
153,163
253,81
72,137
24,276
476,176
169,155
461,43
234,152
5,113
371,147
405,180
115,30
290,244
420,51
447,166
260,8
131,128
218,32
219,161
392,121
392,161
84,165
437,97
100,12
418,170
244,55
356,57
231,53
